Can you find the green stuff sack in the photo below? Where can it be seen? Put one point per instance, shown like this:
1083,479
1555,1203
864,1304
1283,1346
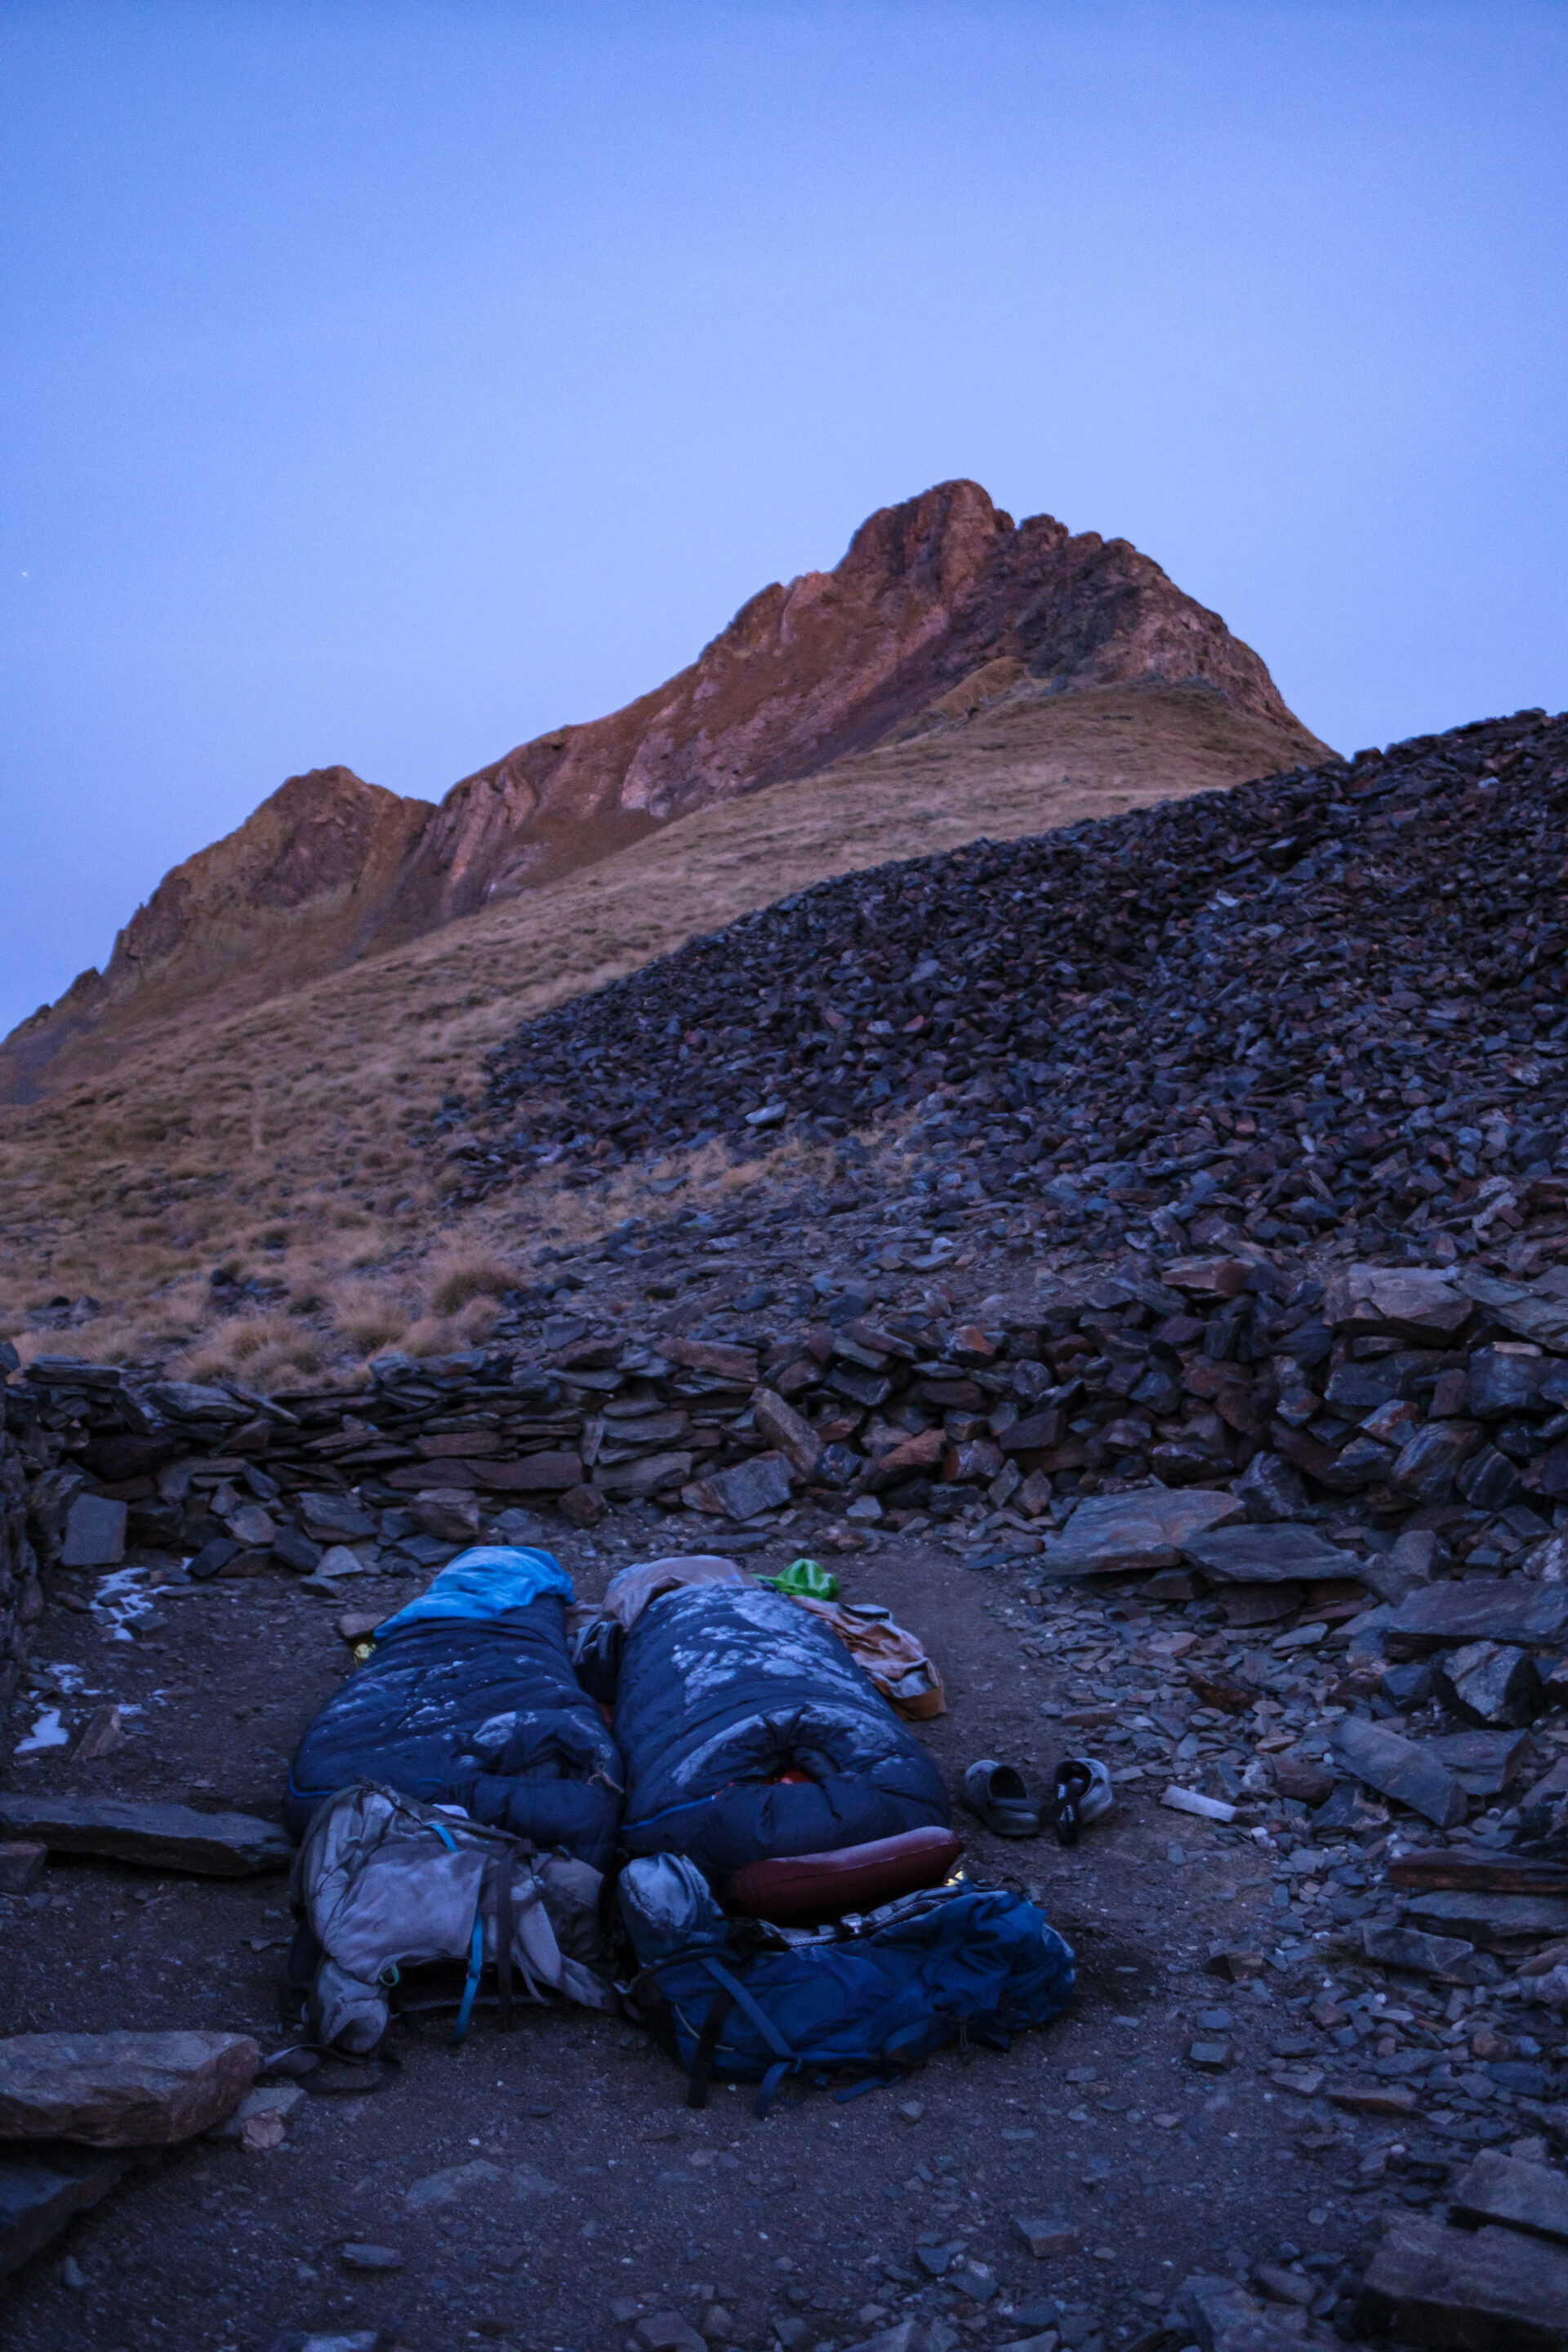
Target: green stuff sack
804,1580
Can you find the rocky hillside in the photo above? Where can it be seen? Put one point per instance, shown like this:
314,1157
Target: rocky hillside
284,1136
943,609
302,889
1358,965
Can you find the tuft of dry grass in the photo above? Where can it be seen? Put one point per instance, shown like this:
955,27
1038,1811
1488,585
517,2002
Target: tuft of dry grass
456,1277
286,1138
263,1351
370,1315
438,1335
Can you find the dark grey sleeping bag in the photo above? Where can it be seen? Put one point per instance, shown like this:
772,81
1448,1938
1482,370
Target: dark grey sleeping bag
722,1689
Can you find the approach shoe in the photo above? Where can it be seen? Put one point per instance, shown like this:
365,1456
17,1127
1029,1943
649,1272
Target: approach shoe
999,1795
1081,1794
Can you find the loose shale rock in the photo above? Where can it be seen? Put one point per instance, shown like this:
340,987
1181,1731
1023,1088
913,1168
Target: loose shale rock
121,2090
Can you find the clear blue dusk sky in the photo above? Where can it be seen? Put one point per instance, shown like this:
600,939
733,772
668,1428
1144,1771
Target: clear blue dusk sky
387,382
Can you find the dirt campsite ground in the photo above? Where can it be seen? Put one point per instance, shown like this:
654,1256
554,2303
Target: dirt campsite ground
549,2188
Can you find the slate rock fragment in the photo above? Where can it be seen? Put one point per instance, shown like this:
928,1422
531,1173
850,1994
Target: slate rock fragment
1485,2290
121,2090
160,1837
1265,1555
1512,1610
1400,1769
43,2186
1499,2189
1490,1683
95,1533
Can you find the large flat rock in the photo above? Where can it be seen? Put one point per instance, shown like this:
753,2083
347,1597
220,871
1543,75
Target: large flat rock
1415,1302
1403,1769
1487,2290
1149,1528
1267,1554
42,2188
1483,1874
1490,1918
121,2090
1506,1609
160,1837
1529,2196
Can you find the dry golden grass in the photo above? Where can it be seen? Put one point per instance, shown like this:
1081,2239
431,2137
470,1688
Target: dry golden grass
458,1277
283,1138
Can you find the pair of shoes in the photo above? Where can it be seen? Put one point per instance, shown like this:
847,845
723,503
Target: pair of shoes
999,1795
1081,1794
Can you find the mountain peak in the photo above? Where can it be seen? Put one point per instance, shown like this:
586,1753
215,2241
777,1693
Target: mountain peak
929,594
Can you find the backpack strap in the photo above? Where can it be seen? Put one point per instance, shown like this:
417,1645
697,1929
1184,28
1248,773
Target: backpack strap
718,2008
500,1869
476,1948
788,2059
472,1981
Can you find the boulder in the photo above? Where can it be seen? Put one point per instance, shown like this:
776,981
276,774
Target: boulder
95,1533
1150,1527
42,2188
121,2090
160,1837
1487,2290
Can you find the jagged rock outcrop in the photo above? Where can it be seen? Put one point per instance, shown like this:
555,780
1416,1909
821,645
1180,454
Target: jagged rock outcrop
298,889
930,593
942,607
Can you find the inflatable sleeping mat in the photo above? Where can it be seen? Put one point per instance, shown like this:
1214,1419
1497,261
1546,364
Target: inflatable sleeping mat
469,1699
750,1733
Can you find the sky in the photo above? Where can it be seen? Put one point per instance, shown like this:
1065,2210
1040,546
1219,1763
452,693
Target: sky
388,384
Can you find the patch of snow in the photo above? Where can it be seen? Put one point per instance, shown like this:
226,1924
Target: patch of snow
121,1599
66,1679
48,1732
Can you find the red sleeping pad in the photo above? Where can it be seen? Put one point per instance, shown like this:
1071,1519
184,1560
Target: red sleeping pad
820,1887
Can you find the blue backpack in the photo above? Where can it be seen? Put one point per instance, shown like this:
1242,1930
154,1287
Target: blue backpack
871,1996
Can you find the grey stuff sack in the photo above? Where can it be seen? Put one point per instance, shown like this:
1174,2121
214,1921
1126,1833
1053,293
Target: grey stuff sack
385,1883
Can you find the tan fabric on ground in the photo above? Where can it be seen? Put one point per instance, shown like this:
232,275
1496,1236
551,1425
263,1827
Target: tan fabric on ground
894,1659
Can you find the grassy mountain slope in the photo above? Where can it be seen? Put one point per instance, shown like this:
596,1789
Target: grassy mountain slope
282,1141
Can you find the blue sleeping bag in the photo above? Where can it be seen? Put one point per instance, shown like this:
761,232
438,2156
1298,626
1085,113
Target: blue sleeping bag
724,1688
468,1698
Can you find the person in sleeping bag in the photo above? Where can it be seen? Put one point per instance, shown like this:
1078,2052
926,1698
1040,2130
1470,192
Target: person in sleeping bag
468,1698
748,1729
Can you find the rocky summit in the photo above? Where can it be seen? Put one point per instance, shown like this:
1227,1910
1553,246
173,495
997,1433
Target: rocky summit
942,609
940,604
